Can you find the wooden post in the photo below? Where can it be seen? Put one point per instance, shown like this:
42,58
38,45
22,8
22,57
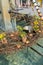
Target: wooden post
6,15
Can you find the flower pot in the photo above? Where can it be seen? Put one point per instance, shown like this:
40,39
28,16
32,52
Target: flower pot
27,42
24,39
4,41
18,45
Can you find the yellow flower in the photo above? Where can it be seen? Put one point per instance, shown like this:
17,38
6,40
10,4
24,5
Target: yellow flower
36,22
2,35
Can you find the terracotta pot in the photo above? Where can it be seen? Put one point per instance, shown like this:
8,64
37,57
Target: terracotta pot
27,42
12,35
42,18
38,11
31,35
40,14
4,41
39,31
24,39
18,46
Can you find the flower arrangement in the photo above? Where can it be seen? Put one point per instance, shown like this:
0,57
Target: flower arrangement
22,34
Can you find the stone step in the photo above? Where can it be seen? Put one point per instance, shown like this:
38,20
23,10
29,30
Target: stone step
38,49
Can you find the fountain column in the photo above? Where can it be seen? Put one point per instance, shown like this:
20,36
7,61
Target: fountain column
6,16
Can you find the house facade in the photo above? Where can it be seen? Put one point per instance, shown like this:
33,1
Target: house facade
21,3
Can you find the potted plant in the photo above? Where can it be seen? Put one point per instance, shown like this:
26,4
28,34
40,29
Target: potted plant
22,34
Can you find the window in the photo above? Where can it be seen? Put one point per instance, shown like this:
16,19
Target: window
24,2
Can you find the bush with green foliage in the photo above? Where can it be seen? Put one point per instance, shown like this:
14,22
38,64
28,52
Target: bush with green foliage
21,32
